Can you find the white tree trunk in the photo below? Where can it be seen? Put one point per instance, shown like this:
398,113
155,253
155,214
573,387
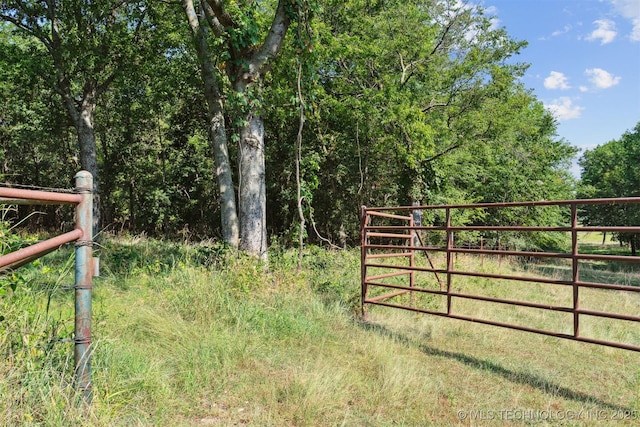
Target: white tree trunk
217,131
252,193
244,68
417,221
229,213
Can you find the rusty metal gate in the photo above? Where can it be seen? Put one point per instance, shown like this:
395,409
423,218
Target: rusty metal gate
86,265
410,261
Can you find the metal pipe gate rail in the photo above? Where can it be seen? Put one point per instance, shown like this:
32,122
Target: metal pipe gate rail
391,243
85,264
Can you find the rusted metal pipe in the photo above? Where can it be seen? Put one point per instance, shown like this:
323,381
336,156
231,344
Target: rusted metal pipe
364,221
614,229
16,265
20,196
38,249
545,280
388,245
384,276
83,285
449,259
386,215
387,296
412,258
391,235
402,254
516,327
611,201
585,257
575,270
405,289
85,266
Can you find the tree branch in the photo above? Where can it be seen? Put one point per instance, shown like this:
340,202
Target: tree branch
313,223
192,16
447,28
442,153
298,166
223,16
214,23
102,87
272,43
433,104
35,32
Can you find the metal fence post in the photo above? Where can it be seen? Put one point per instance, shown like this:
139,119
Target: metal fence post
575,267
450,261
363,259
83,285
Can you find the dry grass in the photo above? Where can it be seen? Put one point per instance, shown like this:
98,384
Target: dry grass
182,344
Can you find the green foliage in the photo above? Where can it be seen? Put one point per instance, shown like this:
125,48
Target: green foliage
186,343
613,170
388,120
393,121
10,241
36,346
135,256
34,138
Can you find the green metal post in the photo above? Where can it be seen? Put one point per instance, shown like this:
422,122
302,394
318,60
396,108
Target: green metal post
83,285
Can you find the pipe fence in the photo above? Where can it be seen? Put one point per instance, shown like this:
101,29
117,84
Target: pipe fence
392,240
85,264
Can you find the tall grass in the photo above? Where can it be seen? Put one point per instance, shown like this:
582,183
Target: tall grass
189,335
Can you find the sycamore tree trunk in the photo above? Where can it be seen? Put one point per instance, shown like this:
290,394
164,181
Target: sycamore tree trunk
229,213
245,67
217,131
252,198
417,221
252,189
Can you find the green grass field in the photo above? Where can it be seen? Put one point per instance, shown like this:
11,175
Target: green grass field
193,335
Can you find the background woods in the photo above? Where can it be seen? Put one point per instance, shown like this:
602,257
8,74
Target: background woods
189,113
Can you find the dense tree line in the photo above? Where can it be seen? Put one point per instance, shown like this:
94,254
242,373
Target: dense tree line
239,119
613,170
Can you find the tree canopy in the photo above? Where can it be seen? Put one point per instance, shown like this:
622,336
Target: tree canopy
343,103
613,170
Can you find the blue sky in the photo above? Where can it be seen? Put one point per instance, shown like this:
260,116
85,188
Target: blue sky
585,62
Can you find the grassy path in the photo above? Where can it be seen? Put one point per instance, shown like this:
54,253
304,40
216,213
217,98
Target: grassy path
194,336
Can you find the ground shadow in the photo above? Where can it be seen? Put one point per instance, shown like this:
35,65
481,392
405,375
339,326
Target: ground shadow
494,368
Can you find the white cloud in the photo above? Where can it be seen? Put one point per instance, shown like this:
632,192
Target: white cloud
496,23
635,34
584,89
630,9
606,31
556,80
602,79
565,30
563,109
